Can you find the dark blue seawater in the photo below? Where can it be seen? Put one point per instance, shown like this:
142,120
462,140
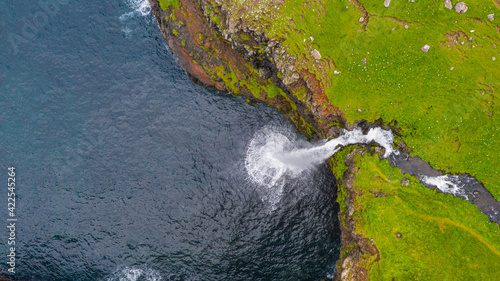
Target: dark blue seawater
126,170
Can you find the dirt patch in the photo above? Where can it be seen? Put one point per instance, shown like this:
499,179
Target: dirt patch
454,38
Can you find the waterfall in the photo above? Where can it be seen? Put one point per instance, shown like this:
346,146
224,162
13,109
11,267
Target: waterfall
272,155
275,156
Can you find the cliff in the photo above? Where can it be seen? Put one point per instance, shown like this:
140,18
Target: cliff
428,72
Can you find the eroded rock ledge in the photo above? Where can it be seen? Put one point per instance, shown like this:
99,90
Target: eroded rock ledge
357,251
244,62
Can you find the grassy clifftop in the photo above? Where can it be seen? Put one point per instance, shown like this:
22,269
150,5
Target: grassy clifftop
350,60
420,235
445,100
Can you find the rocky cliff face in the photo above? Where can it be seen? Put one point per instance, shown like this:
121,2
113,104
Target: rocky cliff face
231,57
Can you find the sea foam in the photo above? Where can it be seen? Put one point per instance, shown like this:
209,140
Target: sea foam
135,274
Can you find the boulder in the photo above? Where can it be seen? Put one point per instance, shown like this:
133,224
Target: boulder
447,4
315,54
425,48
387,3
461,8
405,182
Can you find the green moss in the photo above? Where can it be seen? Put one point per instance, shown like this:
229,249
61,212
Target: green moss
183,43
300,93
200,37
440,233
229,78
175,32
216,19
165,4
245,37
173,6
253,87
337,163
213,14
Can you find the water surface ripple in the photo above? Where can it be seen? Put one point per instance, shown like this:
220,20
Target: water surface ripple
128,171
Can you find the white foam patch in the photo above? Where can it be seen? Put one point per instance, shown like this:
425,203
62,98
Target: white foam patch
446,184
141,7
272,155
127,16
127,31
135,274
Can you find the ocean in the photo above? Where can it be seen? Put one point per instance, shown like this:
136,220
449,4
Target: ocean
126,170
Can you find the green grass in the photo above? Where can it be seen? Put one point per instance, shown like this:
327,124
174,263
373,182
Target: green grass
444,238
443,113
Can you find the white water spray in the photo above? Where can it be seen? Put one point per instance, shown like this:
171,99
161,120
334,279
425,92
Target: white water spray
273,156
